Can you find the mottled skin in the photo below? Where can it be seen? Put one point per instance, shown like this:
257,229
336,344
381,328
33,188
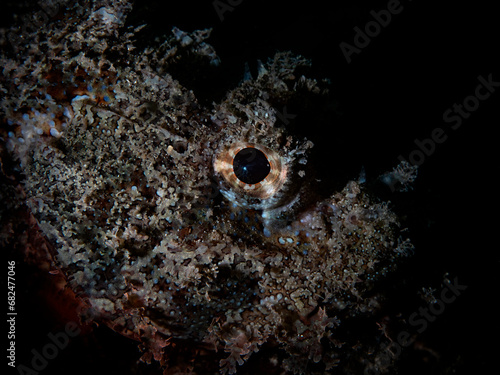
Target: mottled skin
125,190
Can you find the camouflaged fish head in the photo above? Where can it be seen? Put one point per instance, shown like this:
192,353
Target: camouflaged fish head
182,222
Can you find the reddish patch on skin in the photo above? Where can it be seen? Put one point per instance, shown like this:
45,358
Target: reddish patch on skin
51,288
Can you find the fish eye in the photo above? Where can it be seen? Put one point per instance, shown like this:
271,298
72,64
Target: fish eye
251,166
250,174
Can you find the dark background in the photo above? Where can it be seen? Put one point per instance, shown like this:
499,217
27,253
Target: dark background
393,92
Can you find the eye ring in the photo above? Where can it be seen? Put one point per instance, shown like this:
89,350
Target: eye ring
264,189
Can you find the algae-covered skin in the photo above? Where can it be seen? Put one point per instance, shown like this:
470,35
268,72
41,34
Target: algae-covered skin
132,181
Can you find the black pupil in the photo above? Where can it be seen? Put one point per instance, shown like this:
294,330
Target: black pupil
251,165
